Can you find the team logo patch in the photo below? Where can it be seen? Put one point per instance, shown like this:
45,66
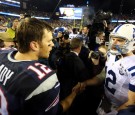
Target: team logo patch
122,71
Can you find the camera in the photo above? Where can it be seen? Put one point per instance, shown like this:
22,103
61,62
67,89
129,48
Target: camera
98,55
101,15
65,35
95,55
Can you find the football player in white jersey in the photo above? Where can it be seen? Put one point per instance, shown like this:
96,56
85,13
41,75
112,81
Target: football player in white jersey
120,71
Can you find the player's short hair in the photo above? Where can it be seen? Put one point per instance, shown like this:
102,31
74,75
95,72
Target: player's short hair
30,29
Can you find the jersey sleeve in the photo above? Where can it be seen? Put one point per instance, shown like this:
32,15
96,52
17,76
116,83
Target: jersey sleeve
131,71
45,103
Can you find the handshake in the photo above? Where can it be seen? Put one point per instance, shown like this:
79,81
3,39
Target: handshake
79,87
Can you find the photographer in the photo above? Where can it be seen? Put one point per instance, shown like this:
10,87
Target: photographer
58,52
100,23
64,40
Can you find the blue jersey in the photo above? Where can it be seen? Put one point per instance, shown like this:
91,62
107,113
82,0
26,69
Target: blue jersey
27,87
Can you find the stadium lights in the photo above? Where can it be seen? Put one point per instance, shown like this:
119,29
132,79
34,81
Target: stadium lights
18,15
6,3
132,21
13,1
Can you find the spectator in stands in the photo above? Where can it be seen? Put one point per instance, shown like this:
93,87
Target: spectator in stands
11,31
85,35
7,39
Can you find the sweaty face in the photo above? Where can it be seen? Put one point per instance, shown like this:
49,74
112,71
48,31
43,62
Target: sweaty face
46,45
117,46
117,42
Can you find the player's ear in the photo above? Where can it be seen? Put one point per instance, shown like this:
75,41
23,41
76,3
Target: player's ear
34,45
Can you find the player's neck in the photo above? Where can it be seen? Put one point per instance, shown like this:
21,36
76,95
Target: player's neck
25,56
128,54
123,55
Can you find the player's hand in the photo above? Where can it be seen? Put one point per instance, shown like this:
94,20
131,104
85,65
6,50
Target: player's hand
83,85
78,88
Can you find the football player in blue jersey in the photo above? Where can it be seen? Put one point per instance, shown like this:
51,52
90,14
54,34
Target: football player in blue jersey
28,87
120,71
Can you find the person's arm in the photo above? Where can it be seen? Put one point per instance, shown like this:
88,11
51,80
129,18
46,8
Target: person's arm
66,103
98,79
131,100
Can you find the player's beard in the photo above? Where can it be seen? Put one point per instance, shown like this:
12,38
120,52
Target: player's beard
43,53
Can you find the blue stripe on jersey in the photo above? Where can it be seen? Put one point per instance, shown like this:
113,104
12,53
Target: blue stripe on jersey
132,87
118,28
130,69
133,74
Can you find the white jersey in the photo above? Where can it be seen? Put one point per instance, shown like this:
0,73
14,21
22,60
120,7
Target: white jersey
120,77
71,36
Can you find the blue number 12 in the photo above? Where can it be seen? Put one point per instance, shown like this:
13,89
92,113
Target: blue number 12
113,81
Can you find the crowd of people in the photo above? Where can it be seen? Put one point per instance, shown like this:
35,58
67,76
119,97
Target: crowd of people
46,70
